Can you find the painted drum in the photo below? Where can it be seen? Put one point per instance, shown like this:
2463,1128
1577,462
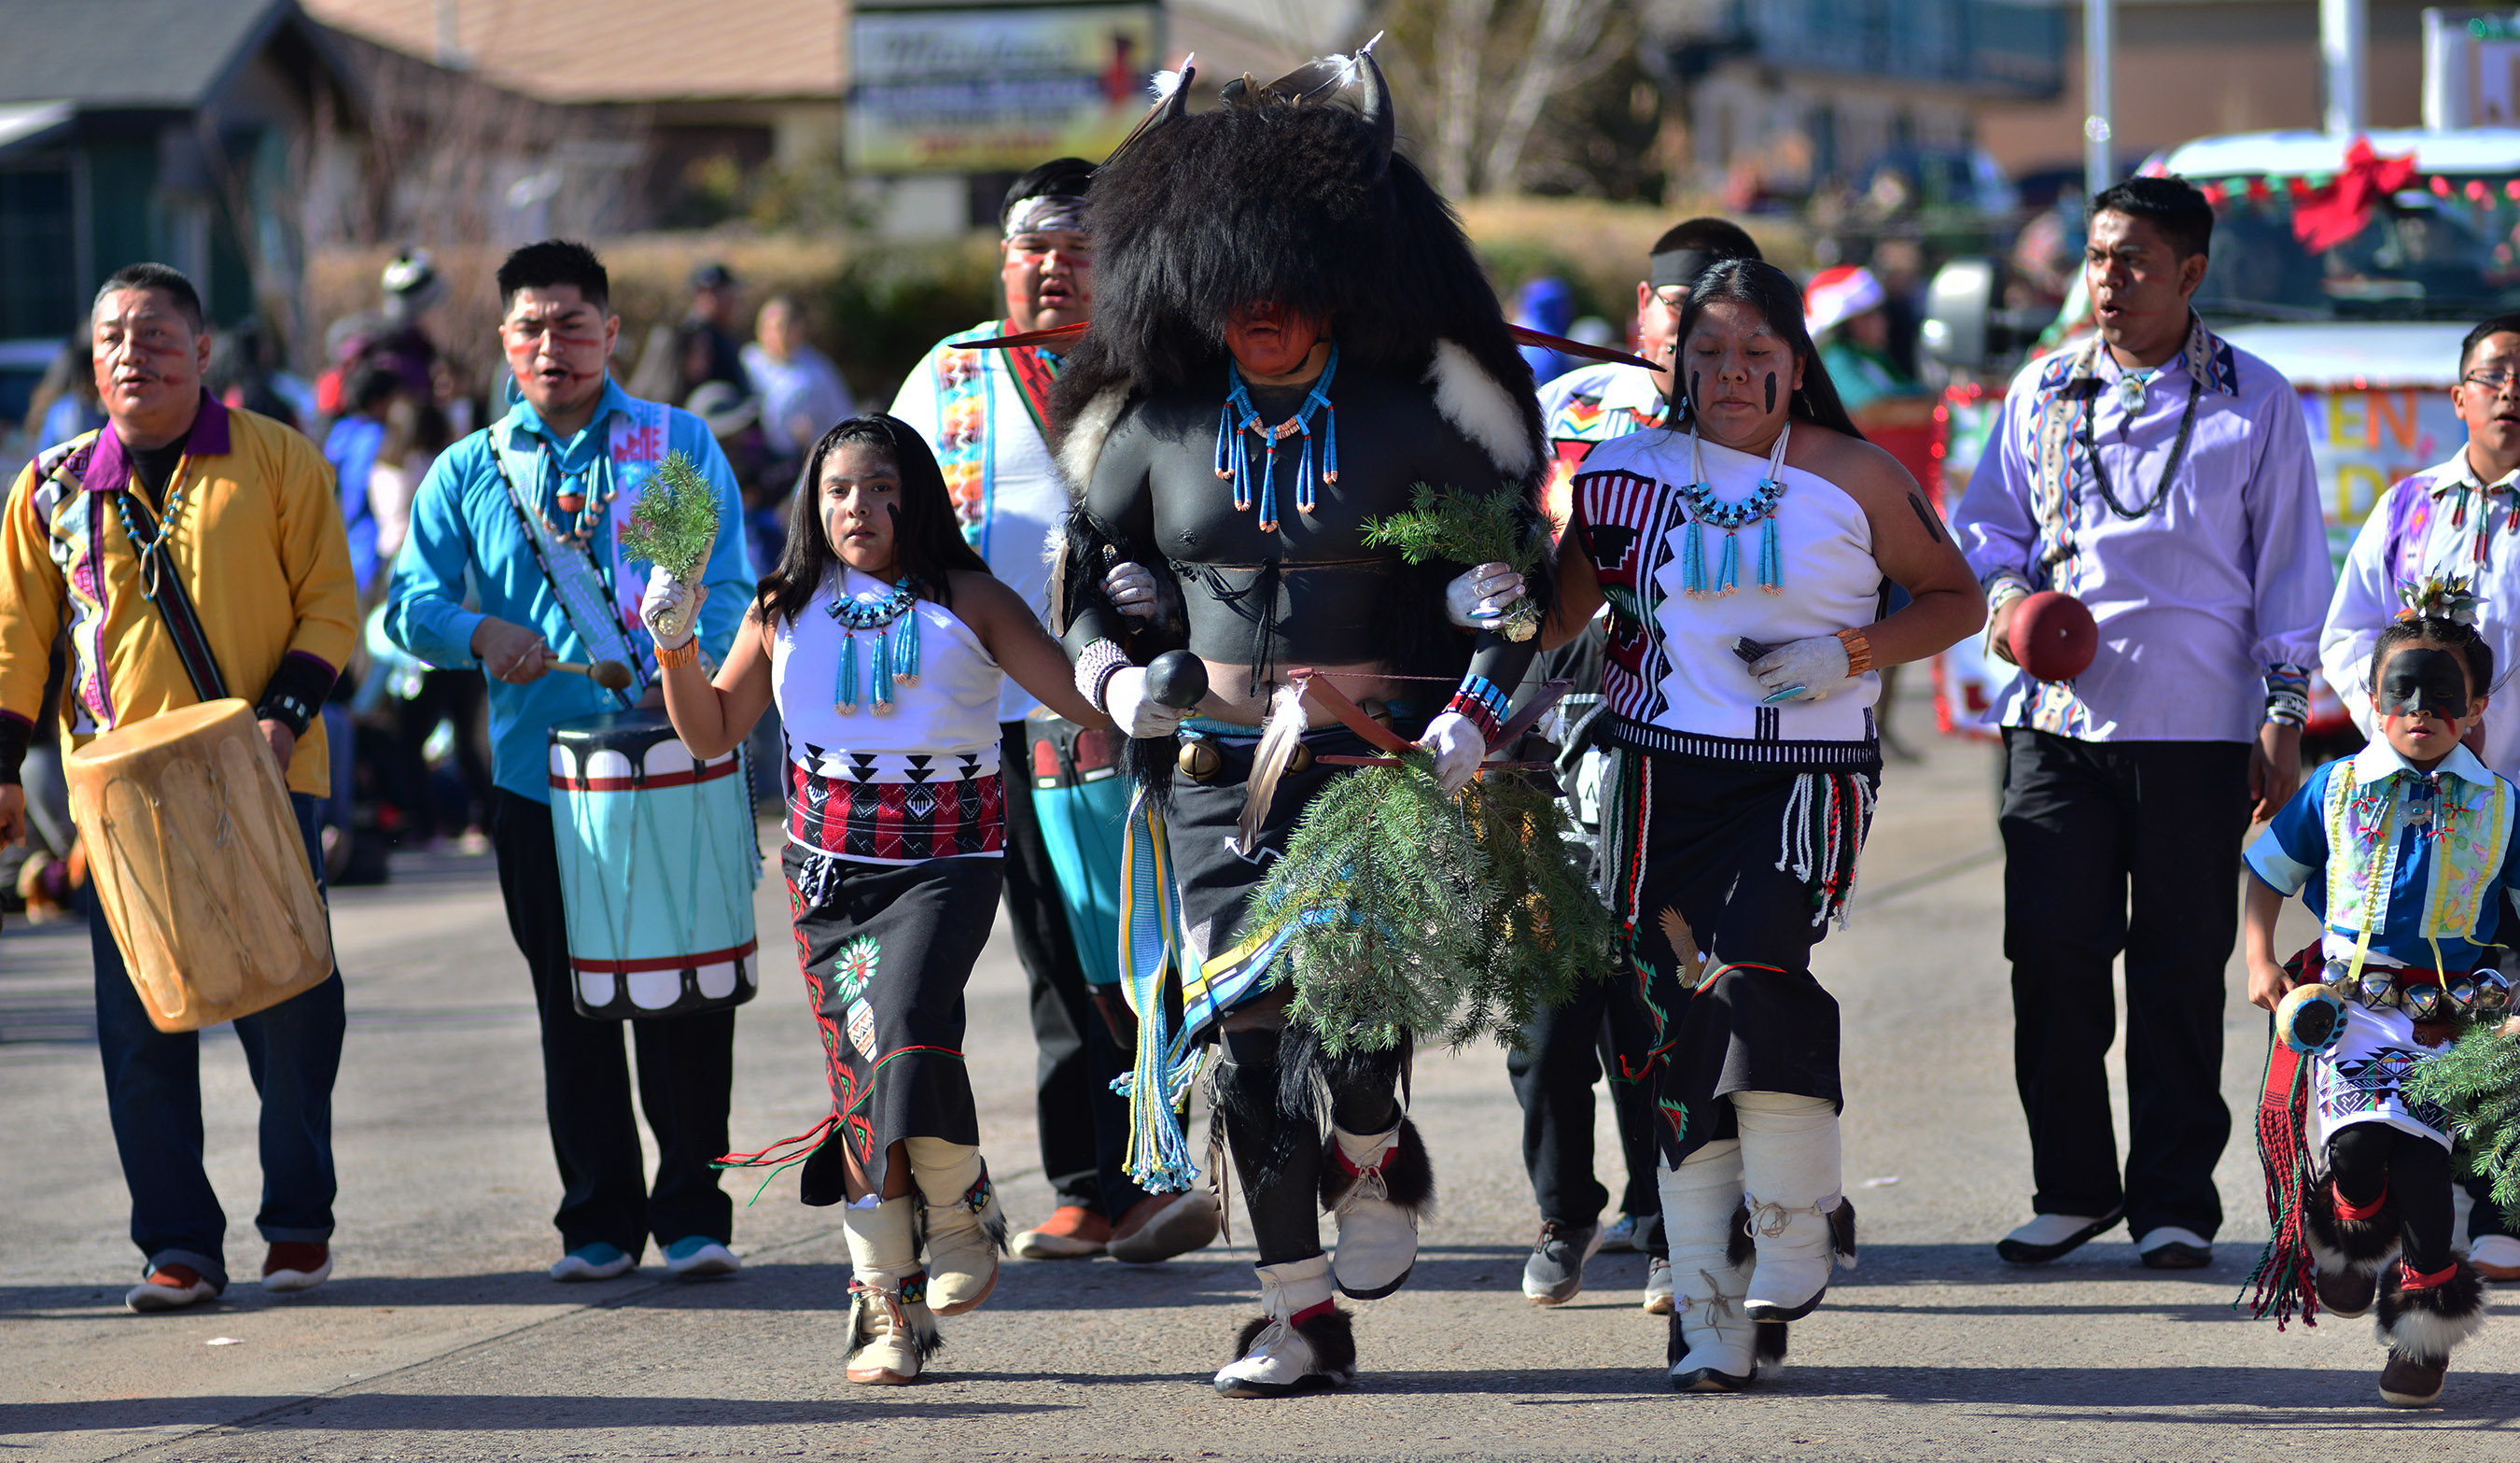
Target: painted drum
658,863
2310,1018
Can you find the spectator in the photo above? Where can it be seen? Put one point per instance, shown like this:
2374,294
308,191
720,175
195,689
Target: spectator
352,447
1547,304
802,394
713,312
65,404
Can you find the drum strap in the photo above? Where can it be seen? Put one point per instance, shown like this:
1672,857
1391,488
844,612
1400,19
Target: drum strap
175,605
572,574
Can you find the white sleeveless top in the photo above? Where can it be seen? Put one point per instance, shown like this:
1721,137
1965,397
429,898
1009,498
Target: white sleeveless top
1671,676
947,719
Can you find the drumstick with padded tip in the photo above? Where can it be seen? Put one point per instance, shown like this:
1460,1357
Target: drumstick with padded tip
612,675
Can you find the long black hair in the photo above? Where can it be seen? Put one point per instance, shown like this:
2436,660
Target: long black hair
1770,291
927,541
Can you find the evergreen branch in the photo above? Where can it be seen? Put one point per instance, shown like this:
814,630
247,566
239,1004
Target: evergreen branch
1460,528
674,525
2477,1083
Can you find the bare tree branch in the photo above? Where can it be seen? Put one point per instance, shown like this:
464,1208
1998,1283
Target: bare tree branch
1568,33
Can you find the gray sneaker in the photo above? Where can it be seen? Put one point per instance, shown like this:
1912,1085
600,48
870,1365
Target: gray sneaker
1623,1238
1555,1273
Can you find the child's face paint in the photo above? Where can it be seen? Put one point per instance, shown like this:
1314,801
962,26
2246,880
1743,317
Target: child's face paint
861,492
2422,698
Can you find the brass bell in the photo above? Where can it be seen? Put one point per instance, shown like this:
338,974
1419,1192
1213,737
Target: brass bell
1199,760
2379,989
1302,759
2422,1001
2459,996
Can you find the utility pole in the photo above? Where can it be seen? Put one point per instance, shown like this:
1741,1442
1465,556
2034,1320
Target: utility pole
2099,39
2342,26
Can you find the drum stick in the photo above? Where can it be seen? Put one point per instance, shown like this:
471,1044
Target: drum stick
612,675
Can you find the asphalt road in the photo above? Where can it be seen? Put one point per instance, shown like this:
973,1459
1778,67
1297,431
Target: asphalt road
440,1339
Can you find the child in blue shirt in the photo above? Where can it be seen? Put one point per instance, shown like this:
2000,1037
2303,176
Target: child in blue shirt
2405,852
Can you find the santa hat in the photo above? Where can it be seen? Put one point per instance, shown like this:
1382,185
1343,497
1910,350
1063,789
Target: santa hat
1838,295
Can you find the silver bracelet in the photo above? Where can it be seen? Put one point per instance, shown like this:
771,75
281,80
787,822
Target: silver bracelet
1096,666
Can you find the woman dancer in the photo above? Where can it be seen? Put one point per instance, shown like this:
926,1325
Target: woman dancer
882,637
1743,550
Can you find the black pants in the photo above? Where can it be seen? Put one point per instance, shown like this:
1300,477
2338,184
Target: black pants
1083,1124
2127,847
1564,1050
1278,1151
2370,1158
686,1074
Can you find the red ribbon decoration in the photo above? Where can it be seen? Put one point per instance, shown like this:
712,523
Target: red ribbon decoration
2335,213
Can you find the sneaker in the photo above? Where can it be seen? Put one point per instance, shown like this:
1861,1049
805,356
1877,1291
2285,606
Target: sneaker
1074,1232
595,1261
1659,1289
2049,1237
696,1256
2171,1248
1160,1226
1555,1273
296,1265
1623,1238
169,1288
2497,1257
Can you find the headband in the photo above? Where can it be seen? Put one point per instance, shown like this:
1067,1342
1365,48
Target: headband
1678,266
1046,213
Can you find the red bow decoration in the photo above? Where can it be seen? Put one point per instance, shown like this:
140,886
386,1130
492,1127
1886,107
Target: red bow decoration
2332,214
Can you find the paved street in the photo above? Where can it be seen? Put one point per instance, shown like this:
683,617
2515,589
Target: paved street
440,1339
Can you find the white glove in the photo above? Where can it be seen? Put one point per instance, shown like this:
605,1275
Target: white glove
1803,670
669,609
1131,590
1458,747
1480,596
1135,713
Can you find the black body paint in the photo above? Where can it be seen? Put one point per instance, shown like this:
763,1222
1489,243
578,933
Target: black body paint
1925,516
2419,679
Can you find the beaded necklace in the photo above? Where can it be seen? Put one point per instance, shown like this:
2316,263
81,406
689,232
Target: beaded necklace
1760,508
1234,457
150,550
896,655
581,511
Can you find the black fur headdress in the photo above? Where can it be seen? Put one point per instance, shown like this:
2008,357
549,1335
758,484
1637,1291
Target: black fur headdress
1282,194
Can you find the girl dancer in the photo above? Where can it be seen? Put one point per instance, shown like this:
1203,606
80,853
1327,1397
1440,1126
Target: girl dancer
1743,550
883,637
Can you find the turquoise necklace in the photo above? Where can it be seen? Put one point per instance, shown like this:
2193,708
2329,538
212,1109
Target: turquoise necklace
896,650
1233,455
1760,508
150,551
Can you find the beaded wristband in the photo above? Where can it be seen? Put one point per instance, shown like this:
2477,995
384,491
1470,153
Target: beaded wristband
1479,700
685,654
2287,695
1858,652
1096,664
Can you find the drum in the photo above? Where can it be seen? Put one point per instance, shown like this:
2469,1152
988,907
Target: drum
1082,802
657,862
196,857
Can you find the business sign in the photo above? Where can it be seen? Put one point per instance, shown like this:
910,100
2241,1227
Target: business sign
970,89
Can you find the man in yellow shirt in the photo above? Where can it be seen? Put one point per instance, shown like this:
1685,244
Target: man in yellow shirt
253,598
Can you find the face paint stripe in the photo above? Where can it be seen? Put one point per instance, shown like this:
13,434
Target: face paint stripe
1772,390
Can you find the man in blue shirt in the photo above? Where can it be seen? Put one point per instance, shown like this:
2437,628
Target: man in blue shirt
585,435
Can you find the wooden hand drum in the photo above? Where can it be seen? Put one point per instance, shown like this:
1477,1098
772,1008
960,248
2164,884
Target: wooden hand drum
196,857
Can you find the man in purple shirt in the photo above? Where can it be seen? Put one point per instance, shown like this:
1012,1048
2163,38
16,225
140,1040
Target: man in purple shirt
2163,479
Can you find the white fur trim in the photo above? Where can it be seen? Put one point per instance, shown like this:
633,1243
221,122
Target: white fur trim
2333,1261
1485,412
1164,83
2429,1334
1083,447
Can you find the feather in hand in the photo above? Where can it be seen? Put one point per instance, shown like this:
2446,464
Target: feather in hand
1466,528
674,525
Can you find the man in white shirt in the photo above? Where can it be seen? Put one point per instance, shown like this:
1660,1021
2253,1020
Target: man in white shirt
2454,523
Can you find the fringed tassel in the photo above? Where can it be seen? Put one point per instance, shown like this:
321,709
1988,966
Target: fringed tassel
1728,575
781,1155
1822,839
1794,853
1772,559
1268,488
1692,561
1304,471
881,690
845,686
2283,1281
1330,443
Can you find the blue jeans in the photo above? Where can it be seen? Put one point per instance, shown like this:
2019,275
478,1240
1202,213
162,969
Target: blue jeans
152,1090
